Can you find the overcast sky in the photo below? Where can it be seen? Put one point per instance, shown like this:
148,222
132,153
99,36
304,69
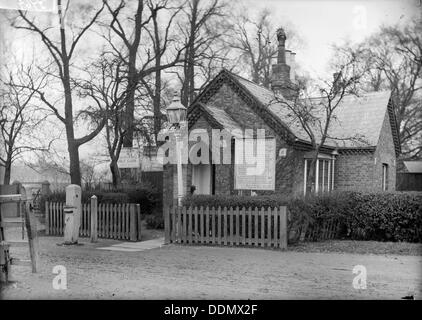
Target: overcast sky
323,22
319,24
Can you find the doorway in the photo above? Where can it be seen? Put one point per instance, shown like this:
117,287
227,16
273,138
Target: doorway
203,178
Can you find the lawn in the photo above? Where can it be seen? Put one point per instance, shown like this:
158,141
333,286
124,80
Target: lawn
360,247
307,271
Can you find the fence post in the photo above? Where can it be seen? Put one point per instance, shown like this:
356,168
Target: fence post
166,225
138,216
133,222
283,228
94,219
47,218
31,229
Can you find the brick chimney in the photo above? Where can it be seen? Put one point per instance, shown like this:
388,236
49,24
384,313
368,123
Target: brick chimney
281,80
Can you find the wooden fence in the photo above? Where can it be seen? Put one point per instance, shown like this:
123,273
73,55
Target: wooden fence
114,221
406,181
326,230
222,226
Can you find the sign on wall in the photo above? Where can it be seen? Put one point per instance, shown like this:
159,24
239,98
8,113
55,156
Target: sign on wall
30,5
129,158
256,170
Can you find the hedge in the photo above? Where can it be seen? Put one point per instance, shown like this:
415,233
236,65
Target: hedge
386,216
146,197
392,216
235,201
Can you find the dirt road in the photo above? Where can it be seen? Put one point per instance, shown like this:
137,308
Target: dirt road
180,272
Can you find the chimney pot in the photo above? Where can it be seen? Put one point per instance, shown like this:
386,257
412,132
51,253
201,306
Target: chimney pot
281,77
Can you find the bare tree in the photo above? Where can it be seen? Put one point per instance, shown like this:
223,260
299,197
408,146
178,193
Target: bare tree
203,28
316,115
253,39
126,40
106,85
160,39
19,118
395,58
61,52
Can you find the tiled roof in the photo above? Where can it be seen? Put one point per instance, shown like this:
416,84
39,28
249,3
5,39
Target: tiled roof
413,166
357,121
360,117
223,118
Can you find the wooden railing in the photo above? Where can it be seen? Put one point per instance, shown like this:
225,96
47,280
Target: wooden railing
222,226
325,230
114,221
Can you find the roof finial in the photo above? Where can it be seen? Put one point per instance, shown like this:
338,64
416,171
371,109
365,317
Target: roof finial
281,35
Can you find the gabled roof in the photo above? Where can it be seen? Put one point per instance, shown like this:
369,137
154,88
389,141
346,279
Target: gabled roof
226,121
414,166
357,123
357,120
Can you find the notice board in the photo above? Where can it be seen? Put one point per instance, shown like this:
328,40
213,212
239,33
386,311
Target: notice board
256,170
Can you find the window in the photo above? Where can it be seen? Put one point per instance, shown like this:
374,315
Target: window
323,180
384,177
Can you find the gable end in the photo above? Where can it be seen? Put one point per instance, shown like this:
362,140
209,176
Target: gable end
225,77
394,127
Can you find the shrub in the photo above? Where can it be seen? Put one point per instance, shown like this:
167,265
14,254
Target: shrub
154,222
393,216
267,201
145,196
386,216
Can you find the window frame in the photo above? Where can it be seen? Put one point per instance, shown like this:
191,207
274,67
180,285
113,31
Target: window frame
384,177
324,174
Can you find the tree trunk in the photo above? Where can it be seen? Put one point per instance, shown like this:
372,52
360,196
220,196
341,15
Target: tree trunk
189,81
310,179
157,100
132,77
72,146
130,107
7,172
115,173
75,171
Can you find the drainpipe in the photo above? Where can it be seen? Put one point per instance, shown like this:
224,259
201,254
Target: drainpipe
334,154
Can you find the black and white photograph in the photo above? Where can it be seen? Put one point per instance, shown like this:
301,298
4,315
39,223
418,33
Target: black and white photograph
213,150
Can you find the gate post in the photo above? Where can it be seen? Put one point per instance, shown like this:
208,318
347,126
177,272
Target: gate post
94,219
74,209
166,224
47,218
133,222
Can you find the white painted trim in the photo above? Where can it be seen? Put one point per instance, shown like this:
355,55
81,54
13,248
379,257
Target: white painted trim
316,175
305,177
329,175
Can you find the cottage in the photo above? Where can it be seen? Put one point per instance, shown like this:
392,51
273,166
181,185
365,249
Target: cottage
233,103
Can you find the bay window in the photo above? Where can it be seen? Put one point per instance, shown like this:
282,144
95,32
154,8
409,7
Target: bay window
323,177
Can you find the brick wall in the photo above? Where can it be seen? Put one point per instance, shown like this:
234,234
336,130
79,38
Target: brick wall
363,171
233,105
289,170
385,153
354,171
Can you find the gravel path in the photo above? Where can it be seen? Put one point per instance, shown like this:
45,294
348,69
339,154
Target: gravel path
195,272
